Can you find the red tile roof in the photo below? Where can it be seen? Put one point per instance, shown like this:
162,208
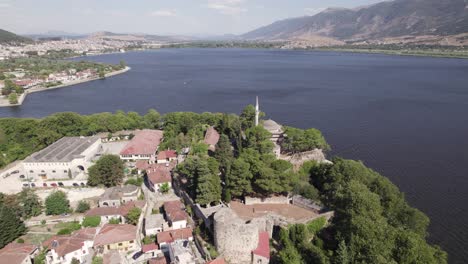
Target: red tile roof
217,261
174,211
159,176
160,260
150,247
121,210
16,253
167,154
110,234
211,136
145,142
173,235
66,244
263,248
142,164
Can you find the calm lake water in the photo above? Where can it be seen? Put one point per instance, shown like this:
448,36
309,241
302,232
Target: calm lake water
406,117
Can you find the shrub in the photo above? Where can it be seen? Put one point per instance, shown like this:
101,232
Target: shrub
114,221
91,221
164,187
82,206
316,225
20,241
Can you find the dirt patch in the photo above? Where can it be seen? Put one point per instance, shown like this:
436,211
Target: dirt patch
248,212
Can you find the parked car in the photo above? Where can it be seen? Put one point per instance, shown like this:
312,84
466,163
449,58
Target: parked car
14,172
82,184
33,185
137,255
26,185
44,184
53,184
60,184
76,184
22,176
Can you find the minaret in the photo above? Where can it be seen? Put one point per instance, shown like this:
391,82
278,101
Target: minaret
257,112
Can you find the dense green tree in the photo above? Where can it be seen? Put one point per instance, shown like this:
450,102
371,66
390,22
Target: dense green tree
57,203
224,153
108,171
74,261
247,117
30,203
299,140
342,254
11,226
133,215
82,206
13,98
152,119
258,138
208,185
239,178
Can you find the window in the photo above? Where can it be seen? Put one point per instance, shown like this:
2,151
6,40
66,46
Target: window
42,171
53,171
65,171
31,171
120,244
108,247
131,241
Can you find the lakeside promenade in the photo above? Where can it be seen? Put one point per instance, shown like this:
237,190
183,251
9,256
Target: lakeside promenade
5,103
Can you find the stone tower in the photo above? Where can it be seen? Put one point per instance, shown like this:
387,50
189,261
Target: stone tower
257,112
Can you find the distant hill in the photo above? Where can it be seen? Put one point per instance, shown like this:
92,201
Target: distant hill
393,19
137,37
8,37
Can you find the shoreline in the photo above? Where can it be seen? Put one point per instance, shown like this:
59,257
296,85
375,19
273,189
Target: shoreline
4,101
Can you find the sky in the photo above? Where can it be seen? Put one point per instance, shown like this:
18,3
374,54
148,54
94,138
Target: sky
164,17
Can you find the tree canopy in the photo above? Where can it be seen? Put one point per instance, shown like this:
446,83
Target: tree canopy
57,203
108,171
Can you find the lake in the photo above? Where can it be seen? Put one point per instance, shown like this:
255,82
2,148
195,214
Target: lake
406,117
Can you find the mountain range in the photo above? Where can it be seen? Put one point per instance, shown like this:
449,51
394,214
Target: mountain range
401,20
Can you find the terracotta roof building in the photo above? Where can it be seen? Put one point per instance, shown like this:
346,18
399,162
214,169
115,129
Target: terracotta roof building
166,156
262,253
160,260
116,237
143,145
175,214
62,249
108,213
18,253
171,236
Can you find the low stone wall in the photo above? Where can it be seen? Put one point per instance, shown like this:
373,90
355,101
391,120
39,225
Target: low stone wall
302,202
327,215
268,200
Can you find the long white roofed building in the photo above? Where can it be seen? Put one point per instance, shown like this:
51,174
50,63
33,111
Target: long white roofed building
69,156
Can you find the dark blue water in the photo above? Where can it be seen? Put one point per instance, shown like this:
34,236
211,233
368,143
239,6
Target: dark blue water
406,117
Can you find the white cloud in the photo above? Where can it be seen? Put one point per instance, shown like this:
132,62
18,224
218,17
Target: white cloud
310,11
163,13
228,7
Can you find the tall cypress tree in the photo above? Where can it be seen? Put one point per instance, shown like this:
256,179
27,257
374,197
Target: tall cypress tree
11,226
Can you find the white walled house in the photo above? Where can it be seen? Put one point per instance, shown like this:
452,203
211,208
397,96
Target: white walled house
63,249
143,145
69,156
